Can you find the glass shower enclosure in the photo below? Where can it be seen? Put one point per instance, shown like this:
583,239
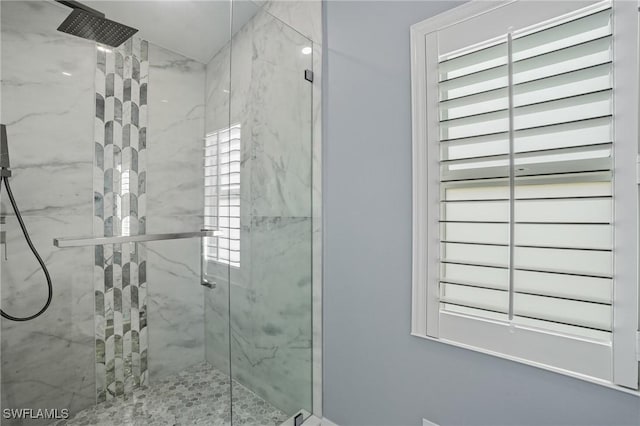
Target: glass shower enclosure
166,183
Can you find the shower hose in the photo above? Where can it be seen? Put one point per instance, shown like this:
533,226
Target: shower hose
35,253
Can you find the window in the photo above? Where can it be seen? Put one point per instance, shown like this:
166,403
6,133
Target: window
525,196
222,195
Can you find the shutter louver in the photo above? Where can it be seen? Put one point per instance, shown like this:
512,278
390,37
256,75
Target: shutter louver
222,195
526,143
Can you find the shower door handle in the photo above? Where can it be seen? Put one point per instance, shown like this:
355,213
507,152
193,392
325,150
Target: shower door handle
97,241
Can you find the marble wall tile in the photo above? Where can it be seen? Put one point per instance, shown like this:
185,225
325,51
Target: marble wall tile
281,141
217,87
303,15
271,315
175,178
272,102
175,199
216,320
279,116
64,333
49,124
268,66
47,113
175,299
278,42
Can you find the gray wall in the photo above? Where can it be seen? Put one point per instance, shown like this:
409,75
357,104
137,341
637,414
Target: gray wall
375,373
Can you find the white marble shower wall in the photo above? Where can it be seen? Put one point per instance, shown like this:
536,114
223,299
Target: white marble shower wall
48,105
271,291
175,193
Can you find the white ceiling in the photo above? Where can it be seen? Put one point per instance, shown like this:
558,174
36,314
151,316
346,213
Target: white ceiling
197,29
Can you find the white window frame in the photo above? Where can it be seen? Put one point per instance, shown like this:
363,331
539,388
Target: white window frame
613,365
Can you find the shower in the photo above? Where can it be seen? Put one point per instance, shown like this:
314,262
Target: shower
179,230
88,23
5,173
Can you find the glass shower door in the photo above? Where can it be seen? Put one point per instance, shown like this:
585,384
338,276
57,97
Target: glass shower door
270,303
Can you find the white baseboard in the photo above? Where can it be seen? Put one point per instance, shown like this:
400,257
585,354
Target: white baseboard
426,422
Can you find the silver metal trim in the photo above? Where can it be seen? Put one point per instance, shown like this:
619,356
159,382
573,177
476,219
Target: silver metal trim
96,241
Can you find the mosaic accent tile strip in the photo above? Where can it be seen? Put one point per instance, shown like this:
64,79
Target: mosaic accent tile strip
120,284
198,395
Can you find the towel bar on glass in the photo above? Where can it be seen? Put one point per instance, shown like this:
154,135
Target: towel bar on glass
96,241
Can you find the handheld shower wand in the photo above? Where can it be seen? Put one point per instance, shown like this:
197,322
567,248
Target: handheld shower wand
5,173
4,149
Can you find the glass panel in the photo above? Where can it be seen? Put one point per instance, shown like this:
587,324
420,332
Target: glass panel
270,282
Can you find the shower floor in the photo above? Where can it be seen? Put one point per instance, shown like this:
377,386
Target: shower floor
198,395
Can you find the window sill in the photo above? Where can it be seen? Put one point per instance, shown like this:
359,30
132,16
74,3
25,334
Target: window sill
564,372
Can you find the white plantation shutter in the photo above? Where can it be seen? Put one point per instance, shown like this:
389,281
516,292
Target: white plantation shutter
222,195
532,241
522,136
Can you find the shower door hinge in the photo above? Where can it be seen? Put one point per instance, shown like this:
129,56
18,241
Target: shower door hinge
308,75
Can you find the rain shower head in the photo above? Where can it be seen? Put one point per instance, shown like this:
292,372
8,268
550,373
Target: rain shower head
90,24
